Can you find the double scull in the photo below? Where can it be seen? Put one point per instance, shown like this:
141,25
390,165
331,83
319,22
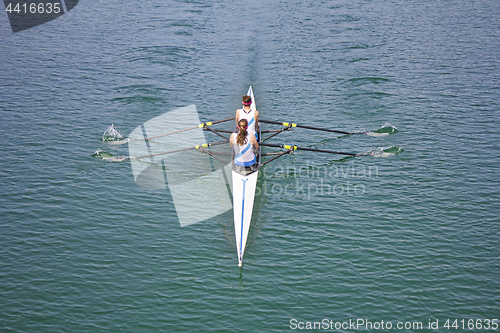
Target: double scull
244,179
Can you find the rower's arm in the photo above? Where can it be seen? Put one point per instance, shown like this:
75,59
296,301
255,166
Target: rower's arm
231,140
256,117
255,143
236,116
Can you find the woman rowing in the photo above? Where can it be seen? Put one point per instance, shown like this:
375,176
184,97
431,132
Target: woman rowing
251,115
243,141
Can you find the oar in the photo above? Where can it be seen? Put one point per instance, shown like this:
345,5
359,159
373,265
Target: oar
310,127
289,151
203,125
214,156
190,128
205,145
308,149
216,132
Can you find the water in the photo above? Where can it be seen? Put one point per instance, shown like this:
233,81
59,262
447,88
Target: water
409,234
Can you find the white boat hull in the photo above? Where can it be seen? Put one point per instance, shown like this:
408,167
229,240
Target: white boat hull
244,186
243,199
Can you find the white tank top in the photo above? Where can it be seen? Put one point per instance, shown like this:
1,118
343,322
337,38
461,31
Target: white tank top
243,155
249,118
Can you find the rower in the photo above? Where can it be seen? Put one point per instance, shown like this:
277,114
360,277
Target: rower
251,116
243,141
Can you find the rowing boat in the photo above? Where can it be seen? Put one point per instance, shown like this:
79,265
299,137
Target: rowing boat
244,185
244,180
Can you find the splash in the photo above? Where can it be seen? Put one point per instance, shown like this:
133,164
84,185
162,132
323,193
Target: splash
386,152
112,135
104,155
385,130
